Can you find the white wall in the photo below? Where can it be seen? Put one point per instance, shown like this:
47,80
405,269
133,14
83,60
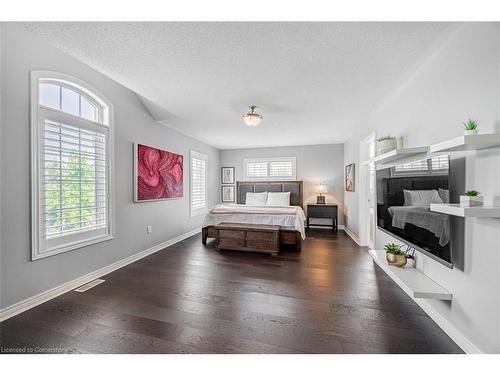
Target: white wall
315,164
20,278
460,80
351,198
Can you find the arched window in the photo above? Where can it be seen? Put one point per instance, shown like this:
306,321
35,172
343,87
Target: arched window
71,129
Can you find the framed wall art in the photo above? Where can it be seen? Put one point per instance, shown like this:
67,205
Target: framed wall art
158,174
227,194
349,177
227,175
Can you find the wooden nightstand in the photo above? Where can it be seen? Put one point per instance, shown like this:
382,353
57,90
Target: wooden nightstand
323,211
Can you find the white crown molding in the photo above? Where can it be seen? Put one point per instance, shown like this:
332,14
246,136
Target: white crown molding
29,303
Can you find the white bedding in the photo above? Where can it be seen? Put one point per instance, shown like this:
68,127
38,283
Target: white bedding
291,216
422,217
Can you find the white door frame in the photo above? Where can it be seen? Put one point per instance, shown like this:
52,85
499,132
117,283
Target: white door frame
364,193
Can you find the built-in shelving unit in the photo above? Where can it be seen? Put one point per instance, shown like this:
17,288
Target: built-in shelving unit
467,143
457,210
400,155
412,281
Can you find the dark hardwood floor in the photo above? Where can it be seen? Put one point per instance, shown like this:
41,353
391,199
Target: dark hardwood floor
188,298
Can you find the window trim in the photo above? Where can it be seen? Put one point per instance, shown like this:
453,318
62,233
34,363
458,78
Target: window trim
269,160
198,211
102,116
35,157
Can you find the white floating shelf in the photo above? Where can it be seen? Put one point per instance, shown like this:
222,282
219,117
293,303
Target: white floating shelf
401,154
412,281
467,143
457,210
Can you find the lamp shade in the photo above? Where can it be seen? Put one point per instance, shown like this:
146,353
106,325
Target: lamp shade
321,189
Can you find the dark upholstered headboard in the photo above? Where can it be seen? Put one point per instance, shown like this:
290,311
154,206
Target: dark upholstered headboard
393,187
294,187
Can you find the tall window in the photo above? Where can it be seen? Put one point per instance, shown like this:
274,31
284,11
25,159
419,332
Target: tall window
71,131
198,184
270,169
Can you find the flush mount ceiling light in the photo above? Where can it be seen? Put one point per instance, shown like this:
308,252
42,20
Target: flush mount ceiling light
252,118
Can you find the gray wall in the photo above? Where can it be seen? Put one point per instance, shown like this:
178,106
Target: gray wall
315,164
460,80
20,278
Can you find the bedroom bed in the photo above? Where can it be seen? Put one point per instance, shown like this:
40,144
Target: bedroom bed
290,219
422,217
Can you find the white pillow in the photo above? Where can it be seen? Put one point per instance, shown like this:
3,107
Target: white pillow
422,198
256,199
278,199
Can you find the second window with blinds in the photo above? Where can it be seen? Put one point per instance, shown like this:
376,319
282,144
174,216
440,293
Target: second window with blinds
198,183
270,169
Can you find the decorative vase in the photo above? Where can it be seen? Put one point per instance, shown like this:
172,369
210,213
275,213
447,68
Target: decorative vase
396,260
471,201
386,145
470,132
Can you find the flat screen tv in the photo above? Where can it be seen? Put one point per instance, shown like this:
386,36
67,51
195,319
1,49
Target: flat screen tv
404,195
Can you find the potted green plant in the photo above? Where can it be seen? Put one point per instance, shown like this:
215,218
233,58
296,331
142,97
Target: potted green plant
471,198
386,144
394,255
470,127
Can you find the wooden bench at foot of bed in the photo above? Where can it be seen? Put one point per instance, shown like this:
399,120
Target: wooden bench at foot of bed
236,236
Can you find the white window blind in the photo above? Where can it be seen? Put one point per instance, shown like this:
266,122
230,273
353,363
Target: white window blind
282,168
257,169
436,165
416,166
71,166
74,180
198,184
440,162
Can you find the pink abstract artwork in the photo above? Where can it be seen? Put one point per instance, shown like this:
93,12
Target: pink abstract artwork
159,174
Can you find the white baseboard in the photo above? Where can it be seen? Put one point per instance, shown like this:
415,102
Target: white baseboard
47,295
352,235
463,342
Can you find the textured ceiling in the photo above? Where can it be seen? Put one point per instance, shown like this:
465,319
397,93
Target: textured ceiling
313,82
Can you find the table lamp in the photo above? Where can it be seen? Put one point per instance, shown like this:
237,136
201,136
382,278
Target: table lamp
320,189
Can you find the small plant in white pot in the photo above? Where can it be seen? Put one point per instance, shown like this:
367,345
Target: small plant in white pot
471,198
386,144
394,255
470,127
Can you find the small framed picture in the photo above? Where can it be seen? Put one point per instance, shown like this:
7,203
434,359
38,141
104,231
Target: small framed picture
349,177
227,175
227,194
